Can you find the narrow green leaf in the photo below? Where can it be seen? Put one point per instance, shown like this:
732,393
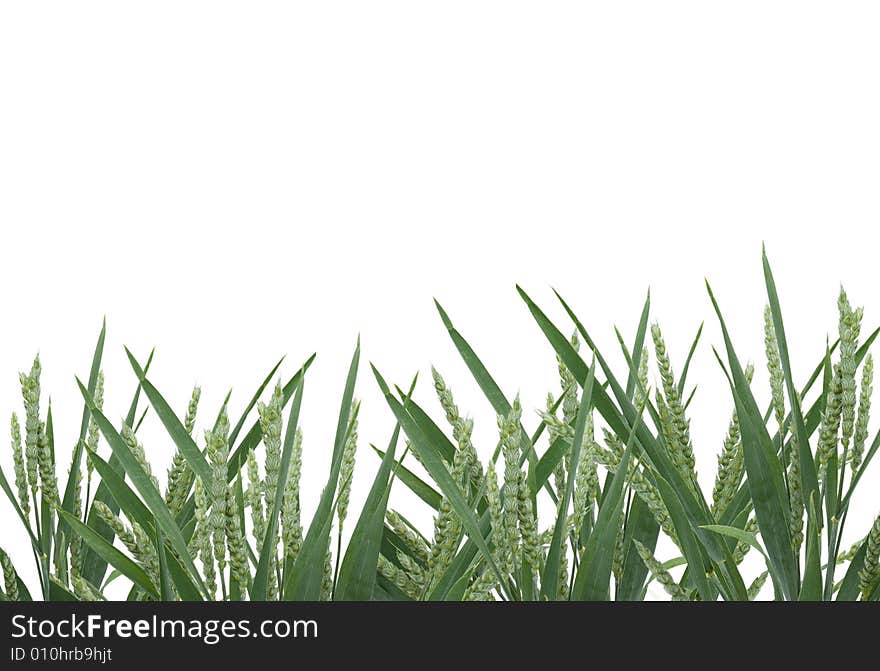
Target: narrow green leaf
254,435
173,425
550,572
233,435
165,592
126,500
462,562
690,546
13,499
58,592
687,361
110,554
640,526
357,575
94,567
484,380
809,479
811,589
62,534
766,480
639,345
415,484
435,466
144,486
738,534
849,586
267,551
303,580
186,589
594,572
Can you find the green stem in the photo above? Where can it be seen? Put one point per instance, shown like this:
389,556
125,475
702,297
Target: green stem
832,556
336,569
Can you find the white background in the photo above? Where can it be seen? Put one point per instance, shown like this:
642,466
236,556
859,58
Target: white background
235,181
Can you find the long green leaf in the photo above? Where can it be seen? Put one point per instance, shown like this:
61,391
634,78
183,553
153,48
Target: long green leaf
809,479
686,536
144,485
687,362
415,484
126,499
173,425
550,572
254,435
639,345
233,435
94,567
766,479
261,577
738,534
640,526
62,534
110,554
4,484
811,589
186,589
303,580
849,586
435,466
484,380
594,572
357,575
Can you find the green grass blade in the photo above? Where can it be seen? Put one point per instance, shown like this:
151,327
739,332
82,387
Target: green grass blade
253,437
186,589
357,575
766,480
484,380
47,512
875,444
110,554
435,466
303,580
165,592
126,500
415,484
261,577
811,589
738,534
94,567
550,572
142,483
62,533
640,526
58,592
13,499
594,572
809,479
849,586
601,401
639,345
690,546
436,438
173,425
233,435
687,361
549,460
462,562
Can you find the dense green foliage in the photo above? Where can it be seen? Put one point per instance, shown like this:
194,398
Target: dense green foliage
612,454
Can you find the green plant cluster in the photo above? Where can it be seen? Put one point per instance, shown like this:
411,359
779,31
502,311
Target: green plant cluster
612,454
